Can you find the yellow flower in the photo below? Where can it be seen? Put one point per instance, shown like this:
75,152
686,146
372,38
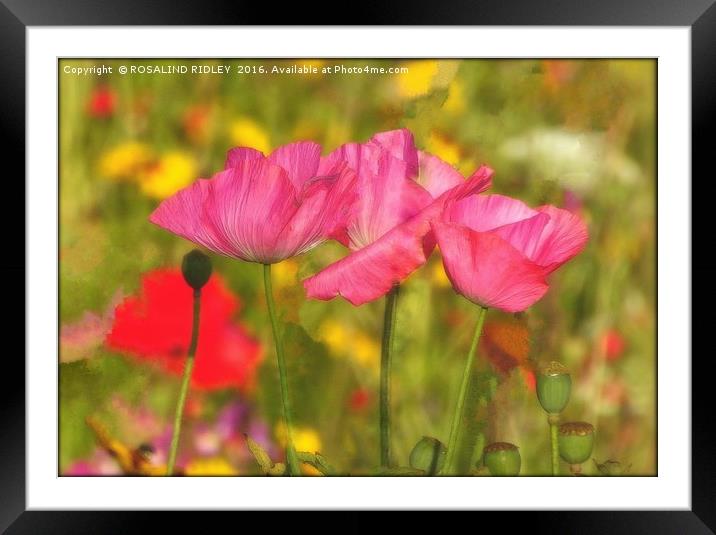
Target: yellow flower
284,273
215,466
444,148
304,439
438,275
419,78
317,63
366,351
335,336
174,171
307,440
345,342
245,132
455,103
125,161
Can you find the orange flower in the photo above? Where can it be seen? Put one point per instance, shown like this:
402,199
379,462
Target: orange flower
506,343
196,123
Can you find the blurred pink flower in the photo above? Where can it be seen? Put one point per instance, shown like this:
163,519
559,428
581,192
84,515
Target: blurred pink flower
79,340
399,191
262,209
100,463
497,251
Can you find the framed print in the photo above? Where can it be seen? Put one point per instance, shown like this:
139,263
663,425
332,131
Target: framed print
366,267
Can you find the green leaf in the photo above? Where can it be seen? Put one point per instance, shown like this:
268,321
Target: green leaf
278,469
260,456
318,461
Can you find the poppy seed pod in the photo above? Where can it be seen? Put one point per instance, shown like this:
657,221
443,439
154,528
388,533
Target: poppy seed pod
196,268
428,455
576,440
554,385
502,459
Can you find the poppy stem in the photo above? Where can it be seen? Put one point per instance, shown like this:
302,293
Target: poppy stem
186,377
459,415
553,420
291,458
386,358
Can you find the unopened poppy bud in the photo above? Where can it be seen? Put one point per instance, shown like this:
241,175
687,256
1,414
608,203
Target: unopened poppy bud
196,268
554,385
428,455
576,440
502,459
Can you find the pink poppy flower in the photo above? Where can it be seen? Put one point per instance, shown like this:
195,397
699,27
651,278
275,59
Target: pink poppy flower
399,191
497,251
262,209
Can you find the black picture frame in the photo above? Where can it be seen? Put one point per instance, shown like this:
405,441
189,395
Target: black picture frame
16,15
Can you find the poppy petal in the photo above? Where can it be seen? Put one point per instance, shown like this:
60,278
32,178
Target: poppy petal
323,209
239,154
370,272
564,237
487,270
300,161
437,176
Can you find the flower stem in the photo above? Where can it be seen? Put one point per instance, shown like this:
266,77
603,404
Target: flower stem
291,458
186,377
458,417
386,357
553,420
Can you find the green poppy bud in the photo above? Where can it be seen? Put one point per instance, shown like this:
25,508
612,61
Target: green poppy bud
576,440
196,268
502,459
553,387
428,455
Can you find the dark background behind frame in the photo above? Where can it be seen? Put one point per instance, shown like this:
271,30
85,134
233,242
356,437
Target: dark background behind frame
16,14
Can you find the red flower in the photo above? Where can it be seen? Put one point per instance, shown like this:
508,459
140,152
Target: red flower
102,102
156,326
529,376
613,344
359,399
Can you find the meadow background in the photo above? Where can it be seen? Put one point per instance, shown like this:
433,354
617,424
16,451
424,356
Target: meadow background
579,134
